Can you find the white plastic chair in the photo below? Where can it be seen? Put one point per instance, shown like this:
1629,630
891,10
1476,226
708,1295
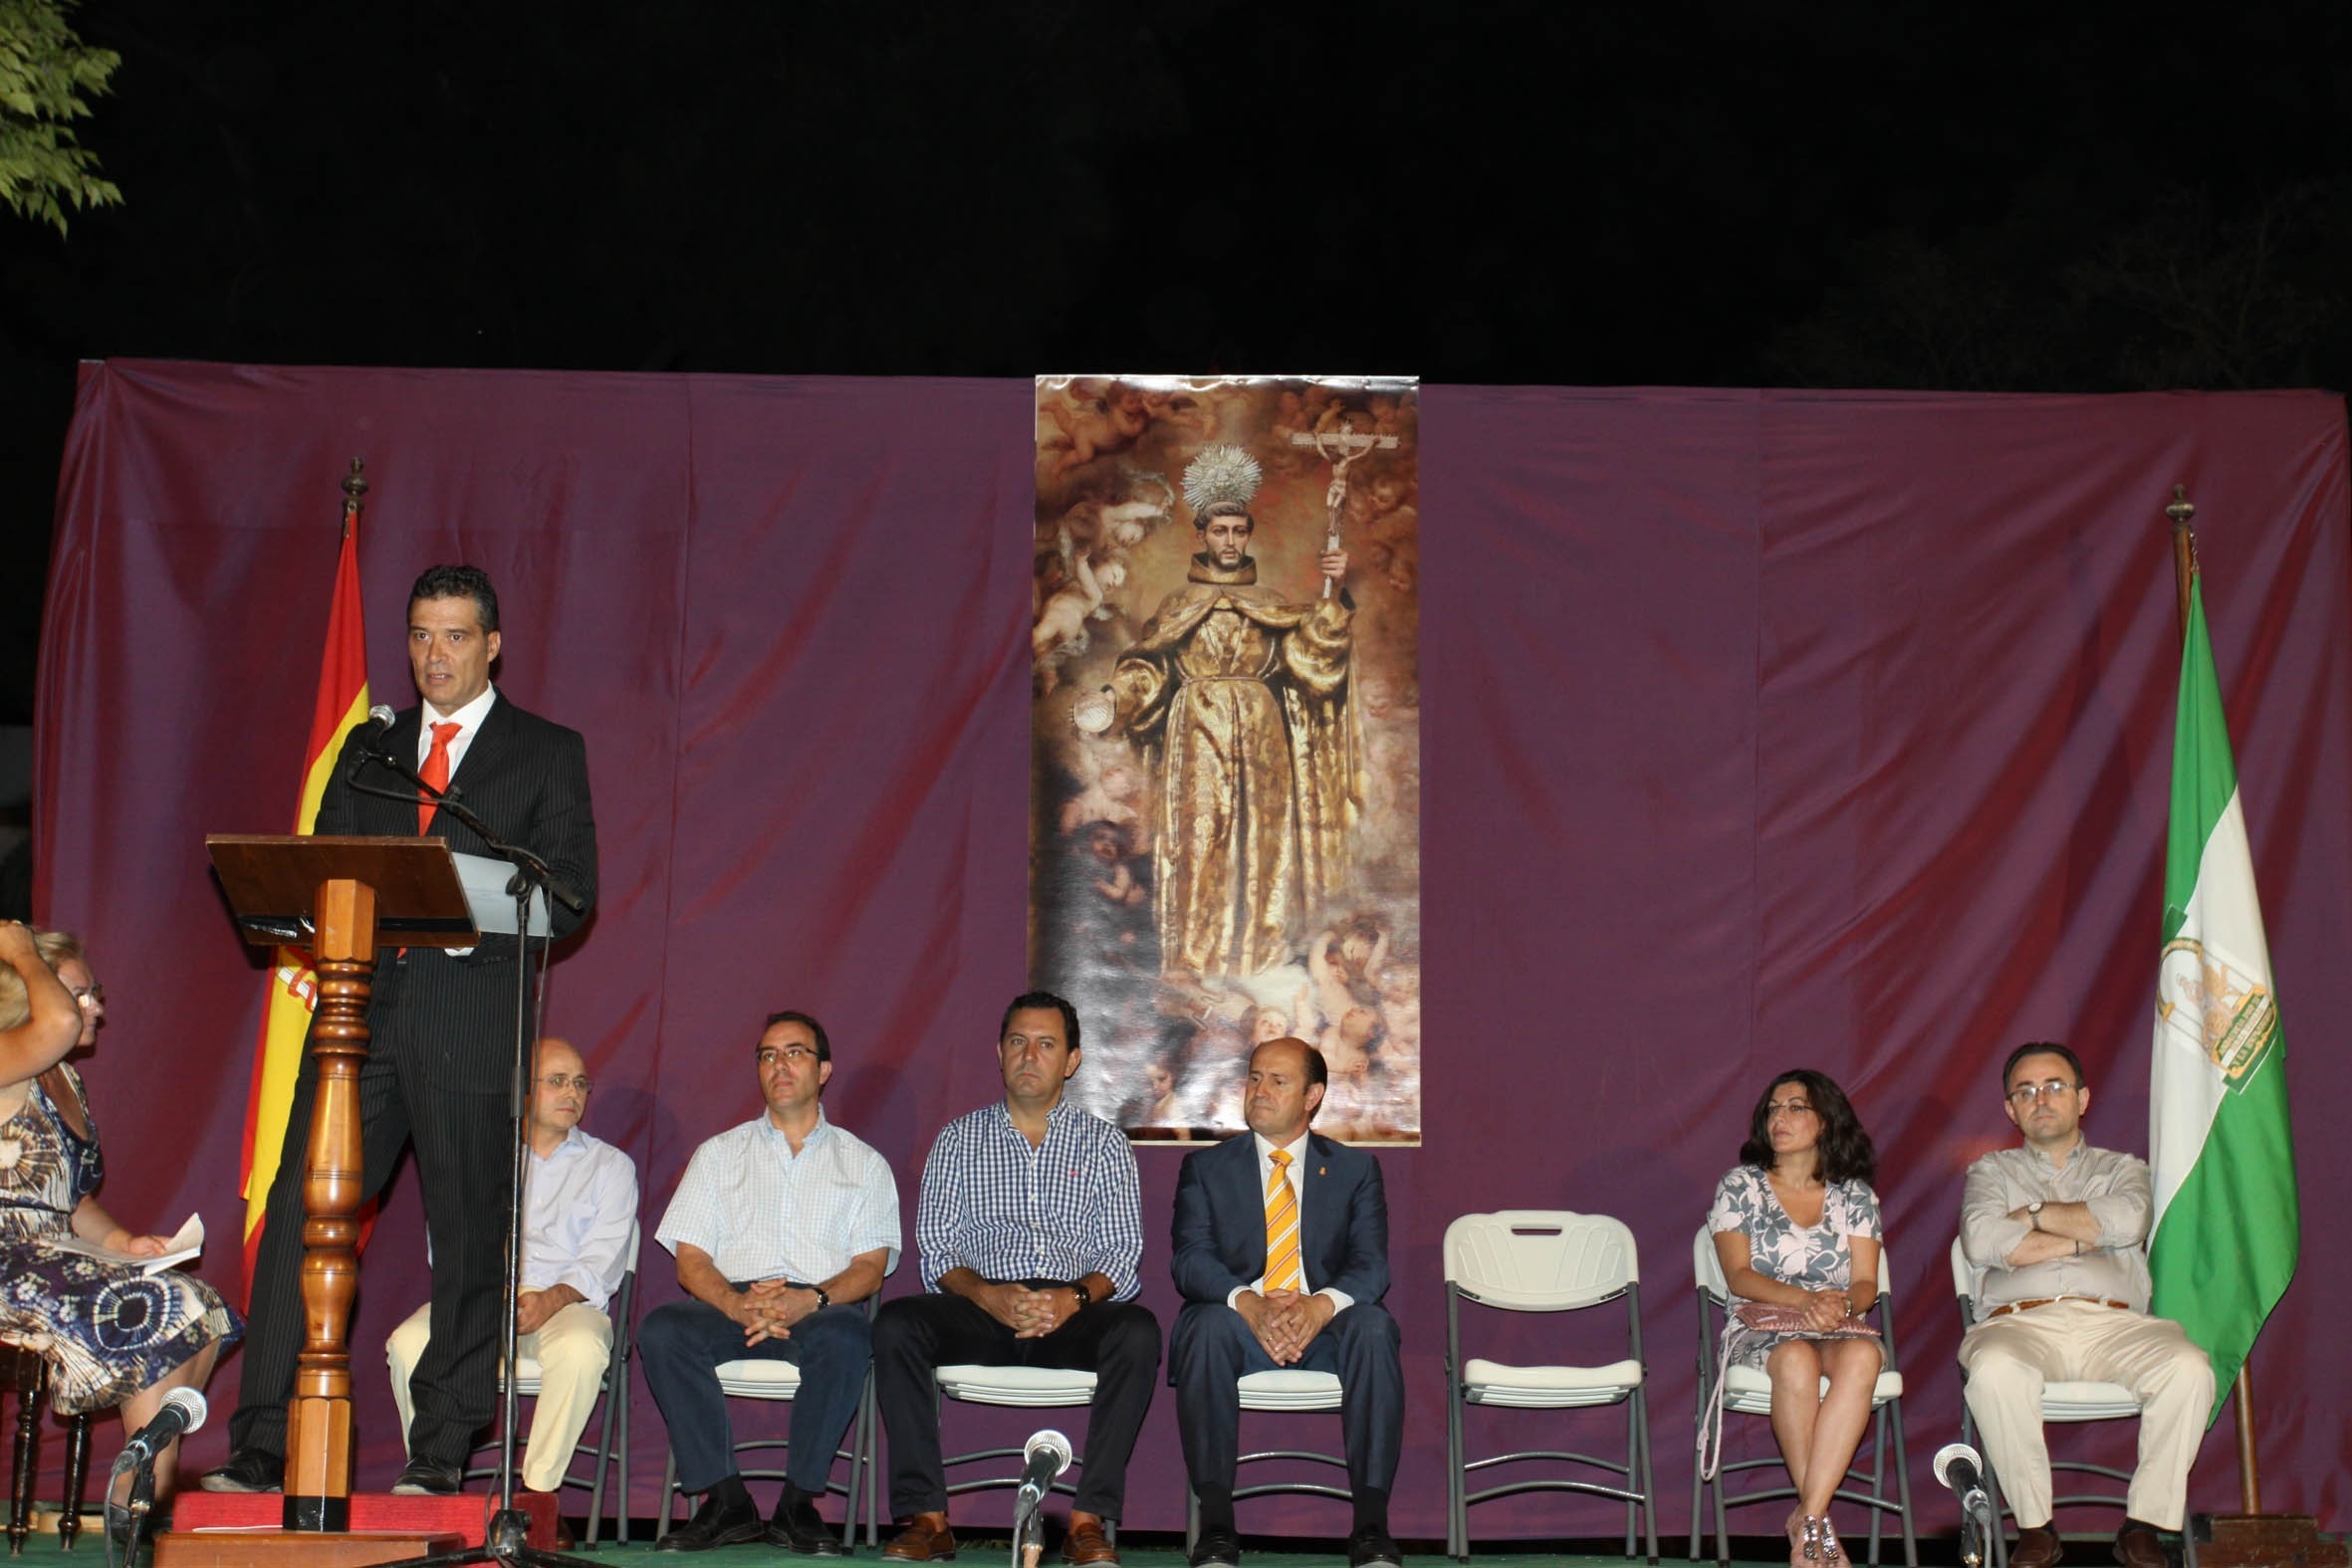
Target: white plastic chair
1290,1391
1019,1388
2060,1401
611,1445
779,1381
1546,1260
1749,1391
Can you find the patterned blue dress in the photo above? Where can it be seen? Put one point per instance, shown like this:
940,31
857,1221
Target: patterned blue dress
1817,1257
106,1330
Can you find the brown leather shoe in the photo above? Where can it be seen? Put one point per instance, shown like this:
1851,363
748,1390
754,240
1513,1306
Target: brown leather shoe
1089,1547
2038,1547
2137,1546
926,1539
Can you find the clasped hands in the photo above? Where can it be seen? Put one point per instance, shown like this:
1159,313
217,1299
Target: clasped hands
1285,1321
1029,1314
1826,1308
768,1308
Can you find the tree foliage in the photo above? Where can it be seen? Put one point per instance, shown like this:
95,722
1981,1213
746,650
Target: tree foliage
46,76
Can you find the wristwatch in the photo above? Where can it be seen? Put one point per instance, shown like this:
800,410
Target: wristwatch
2033,1212
823,1300
1077,1287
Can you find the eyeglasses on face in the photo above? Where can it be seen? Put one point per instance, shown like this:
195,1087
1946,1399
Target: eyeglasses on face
89,996
768,1055
576,1080
2047,1089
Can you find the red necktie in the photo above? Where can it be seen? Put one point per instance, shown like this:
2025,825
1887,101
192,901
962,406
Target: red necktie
435,772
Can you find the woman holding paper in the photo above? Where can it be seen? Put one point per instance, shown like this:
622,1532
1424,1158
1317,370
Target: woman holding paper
111,1333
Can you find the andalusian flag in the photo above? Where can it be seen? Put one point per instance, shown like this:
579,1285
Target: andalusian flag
2222,1245
341,703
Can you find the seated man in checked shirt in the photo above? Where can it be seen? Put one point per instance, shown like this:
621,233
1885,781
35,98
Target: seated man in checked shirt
779,1226
1031,1229
2057,1230
581,1196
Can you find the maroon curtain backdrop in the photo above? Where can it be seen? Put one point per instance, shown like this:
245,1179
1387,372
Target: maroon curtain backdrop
1762,730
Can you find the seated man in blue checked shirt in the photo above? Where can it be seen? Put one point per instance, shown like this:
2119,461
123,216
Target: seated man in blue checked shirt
779,1226
1029,1230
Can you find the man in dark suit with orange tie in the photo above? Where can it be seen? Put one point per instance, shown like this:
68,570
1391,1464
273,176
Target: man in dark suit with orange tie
1281,1256
443,1033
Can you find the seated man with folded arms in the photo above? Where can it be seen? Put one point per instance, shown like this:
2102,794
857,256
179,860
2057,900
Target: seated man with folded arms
780,1225
579,1198
2058,1231
1031,1229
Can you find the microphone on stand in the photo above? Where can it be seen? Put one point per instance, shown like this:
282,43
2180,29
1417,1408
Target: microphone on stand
183,1411
1043,1456
1962,1469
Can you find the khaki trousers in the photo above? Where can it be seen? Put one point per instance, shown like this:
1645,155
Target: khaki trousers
2009,1358
571,1348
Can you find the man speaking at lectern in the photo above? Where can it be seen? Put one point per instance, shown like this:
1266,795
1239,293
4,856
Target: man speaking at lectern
443,1032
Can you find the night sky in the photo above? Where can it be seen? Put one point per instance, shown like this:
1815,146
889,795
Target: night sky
2087,199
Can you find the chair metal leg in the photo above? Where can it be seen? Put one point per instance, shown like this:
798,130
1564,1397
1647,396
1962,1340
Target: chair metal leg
670,1500
1903,1491
1649,1478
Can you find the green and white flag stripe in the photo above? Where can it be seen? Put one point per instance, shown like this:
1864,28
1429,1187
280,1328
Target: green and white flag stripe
2222,1244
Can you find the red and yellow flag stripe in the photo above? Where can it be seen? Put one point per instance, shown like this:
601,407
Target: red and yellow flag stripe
342,701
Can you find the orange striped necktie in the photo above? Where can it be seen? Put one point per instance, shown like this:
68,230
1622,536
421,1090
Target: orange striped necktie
435,772
1281,1227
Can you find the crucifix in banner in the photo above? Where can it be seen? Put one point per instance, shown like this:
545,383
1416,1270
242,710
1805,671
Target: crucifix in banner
1341,448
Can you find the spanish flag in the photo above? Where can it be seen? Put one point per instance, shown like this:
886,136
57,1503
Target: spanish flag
293,987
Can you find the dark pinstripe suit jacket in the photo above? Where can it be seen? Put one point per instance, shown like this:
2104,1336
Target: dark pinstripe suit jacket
452,1018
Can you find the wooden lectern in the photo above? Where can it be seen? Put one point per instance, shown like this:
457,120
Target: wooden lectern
343,898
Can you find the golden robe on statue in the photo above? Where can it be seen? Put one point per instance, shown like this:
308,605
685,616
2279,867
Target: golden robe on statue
1241,702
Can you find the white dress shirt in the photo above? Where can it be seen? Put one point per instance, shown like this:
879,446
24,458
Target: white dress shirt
468,718
578,1204
1341,1299
763,1212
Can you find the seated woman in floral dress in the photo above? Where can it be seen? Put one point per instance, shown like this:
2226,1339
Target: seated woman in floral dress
1796,1229
112,1335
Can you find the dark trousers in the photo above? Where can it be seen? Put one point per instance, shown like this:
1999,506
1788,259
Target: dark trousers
681,1346
1118,1341
1213,1347
464,1143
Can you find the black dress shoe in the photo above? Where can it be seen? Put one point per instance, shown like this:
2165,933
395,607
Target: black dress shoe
1372,1545
798,1527
246,1469
427,1476
1215,1549
715,1523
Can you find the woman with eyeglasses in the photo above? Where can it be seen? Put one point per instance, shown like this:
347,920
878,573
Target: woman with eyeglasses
1795,1226
111,1333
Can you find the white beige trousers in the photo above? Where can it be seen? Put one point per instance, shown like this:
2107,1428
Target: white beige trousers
2009,1358
571,1348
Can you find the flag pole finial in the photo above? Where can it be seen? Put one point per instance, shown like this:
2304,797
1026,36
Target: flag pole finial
355,488
2181,511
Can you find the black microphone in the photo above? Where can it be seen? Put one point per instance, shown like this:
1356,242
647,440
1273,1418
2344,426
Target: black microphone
1962,1469
183,1411
1043,1456
379,719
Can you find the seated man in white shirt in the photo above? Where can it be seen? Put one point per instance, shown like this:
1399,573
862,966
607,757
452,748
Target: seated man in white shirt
579,1198
779,1225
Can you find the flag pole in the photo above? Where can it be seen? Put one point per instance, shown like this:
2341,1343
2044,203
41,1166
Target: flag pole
2183,512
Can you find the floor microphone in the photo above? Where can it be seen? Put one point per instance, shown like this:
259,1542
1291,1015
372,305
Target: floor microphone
183,1411
1962,1469
1043,1456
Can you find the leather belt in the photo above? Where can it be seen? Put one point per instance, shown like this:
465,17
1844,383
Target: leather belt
2042,1301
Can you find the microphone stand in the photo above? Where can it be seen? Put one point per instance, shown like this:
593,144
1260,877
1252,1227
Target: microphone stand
1029,1529
506,1539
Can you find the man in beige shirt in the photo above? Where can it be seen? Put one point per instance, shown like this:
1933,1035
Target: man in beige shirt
2057,1231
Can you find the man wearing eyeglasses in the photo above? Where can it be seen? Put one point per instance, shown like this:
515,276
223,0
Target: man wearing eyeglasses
780,1225
581,1198
2057,1230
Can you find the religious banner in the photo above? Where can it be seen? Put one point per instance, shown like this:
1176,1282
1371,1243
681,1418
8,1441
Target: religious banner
1226,764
